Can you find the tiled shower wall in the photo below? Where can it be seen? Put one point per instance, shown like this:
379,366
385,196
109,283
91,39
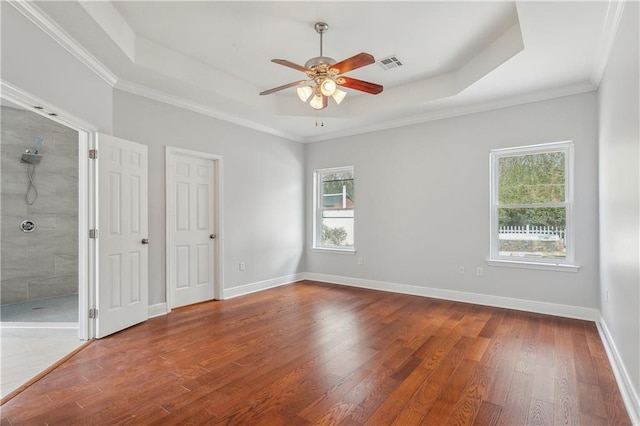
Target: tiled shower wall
42,263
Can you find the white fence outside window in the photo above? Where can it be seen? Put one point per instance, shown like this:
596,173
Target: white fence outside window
532,233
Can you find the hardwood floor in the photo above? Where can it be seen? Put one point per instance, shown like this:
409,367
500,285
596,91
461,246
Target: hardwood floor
312,353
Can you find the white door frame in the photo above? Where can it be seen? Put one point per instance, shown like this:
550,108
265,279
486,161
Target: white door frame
86,197
218,274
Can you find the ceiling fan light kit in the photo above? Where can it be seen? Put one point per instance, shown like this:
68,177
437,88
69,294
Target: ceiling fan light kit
324,75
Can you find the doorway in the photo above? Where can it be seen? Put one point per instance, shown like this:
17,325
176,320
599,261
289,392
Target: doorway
193,226
43,212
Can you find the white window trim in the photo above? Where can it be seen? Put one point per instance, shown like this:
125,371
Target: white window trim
566,264
317,230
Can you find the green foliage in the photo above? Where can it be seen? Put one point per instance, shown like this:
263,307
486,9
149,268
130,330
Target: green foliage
532,179
541,216
334,236
334,182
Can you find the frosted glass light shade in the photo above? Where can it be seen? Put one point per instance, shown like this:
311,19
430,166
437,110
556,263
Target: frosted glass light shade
339,95
317,102
328,87
304,92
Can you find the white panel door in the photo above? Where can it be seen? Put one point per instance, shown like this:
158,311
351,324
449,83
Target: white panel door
123,271
191,219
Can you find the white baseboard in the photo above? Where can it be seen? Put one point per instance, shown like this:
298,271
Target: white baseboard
260,285
629,394
568,311
158,309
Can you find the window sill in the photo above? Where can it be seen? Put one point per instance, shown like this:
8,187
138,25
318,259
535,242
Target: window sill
351,251
534,265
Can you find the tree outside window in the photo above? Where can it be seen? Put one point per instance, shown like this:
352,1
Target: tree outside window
531,203
334,206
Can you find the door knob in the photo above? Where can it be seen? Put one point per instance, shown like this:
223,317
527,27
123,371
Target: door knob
145,241
212,236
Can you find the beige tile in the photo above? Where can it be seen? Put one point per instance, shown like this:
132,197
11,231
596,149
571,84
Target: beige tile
13,290
66,264
52,286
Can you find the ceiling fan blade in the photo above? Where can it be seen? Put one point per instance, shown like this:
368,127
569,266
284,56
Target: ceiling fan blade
289,64
363,86
286,86
354,62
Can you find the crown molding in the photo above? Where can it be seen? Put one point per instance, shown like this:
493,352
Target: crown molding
140,90
29,102
460,111
609,32
53,30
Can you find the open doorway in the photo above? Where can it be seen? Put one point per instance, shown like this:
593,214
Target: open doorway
43,259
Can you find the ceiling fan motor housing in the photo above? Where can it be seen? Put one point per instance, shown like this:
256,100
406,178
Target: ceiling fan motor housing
320,63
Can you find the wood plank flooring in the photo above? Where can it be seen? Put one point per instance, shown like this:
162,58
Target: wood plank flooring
314,353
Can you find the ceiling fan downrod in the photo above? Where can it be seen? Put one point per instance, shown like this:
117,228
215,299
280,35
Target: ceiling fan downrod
321,28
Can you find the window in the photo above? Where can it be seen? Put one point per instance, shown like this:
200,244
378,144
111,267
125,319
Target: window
531,204
333,209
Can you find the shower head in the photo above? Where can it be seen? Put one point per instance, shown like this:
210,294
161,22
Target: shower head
31,157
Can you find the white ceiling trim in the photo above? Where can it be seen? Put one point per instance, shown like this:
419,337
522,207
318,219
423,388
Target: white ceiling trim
609,31
460,111
140,90
108,17
53,30
178,66
29,102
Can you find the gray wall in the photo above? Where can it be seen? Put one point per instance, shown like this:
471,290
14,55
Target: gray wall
35,63
422,202
620,195
42,263
263,189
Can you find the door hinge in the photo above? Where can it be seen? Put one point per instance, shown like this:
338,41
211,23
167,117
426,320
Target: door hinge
93,233
93,313
93,154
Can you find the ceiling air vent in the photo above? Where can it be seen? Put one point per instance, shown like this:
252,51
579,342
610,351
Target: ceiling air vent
389,62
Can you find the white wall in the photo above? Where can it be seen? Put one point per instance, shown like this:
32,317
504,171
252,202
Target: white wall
263,189
620,196
35,63
422,202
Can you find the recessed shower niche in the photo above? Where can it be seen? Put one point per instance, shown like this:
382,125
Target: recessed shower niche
39,218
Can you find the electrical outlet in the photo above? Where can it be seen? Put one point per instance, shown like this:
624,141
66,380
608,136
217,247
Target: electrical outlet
606,294
479,271
461,270
360,261
241,266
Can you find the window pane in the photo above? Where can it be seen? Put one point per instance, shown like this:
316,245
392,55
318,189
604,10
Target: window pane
337,190
532,178
337,228
532,232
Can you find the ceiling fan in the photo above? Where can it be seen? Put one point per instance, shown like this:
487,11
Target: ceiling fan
324,75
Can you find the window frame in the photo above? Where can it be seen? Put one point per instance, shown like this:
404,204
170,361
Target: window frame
318,209
567,264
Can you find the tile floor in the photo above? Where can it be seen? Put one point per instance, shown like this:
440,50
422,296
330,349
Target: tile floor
22,358
51,309
35,335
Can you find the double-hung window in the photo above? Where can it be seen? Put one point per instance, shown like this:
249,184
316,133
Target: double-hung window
531,204
334,209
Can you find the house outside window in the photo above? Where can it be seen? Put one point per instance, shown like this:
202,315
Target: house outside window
532,204
334,209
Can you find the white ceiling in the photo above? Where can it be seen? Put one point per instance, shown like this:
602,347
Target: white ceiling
214,57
